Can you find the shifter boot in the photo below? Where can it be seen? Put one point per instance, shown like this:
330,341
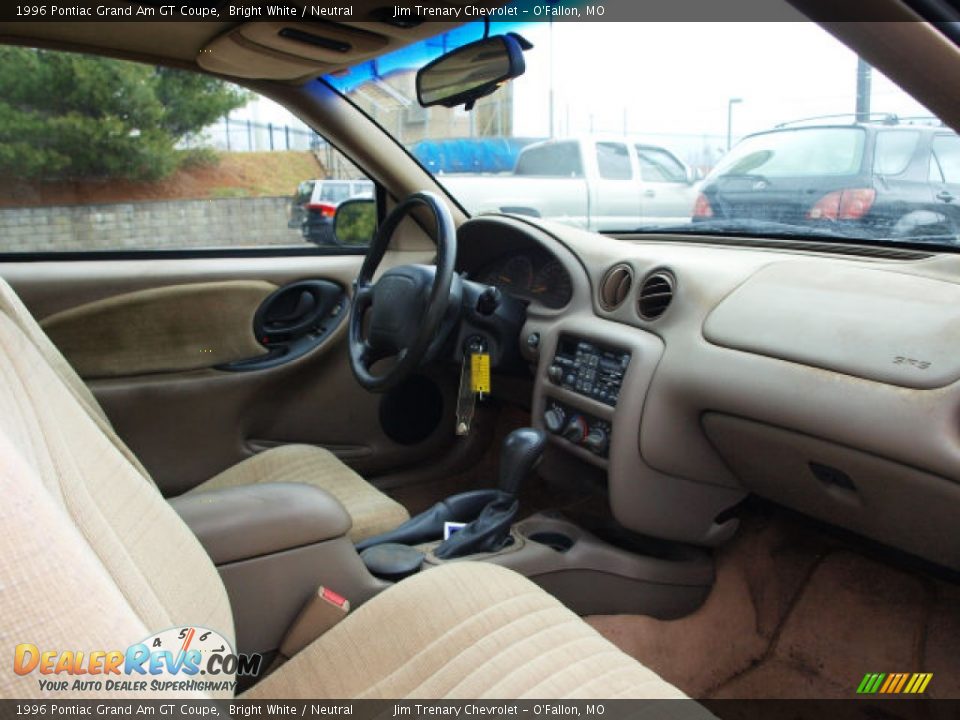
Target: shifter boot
488,533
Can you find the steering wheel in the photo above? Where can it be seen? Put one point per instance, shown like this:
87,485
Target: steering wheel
407,304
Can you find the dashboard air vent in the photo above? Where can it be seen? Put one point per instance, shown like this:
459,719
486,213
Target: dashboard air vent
615,286
656,294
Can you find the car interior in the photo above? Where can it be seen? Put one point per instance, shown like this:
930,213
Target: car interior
700,467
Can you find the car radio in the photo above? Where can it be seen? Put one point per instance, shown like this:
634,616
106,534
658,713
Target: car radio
589,369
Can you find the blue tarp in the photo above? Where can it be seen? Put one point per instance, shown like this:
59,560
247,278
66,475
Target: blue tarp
470,155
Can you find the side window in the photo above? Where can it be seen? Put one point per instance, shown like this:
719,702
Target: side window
946,150
164,160
613,161
551,160
334,192
893,151
657,165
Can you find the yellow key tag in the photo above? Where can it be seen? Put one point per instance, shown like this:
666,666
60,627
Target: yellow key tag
480,373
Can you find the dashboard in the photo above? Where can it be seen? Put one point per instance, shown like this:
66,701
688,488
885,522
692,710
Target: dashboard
535,275
826,380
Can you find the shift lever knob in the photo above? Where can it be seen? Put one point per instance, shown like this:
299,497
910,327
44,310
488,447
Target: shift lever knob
522,450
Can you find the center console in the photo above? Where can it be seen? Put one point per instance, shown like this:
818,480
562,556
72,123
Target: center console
584,369
274,544
594,393
602,570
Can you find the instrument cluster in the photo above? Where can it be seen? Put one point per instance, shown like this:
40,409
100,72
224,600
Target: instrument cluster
534,276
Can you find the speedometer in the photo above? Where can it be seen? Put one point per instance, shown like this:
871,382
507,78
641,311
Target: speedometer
552,285
516,274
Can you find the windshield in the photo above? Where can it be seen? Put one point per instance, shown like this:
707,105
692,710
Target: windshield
761,129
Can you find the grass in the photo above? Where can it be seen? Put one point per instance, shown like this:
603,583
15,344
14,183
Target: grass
207,175
270,173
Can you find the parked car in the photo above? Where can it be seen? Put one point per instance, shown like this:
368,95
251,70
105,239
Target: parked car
890,178
315,203
593,183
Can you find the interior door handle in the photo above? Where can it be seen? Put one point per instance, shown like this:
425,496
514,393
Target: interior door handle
946,196
292,321
306,304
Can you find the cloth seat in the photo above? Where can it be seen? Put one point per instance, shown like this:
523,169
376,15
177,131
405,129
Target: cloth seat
463,630
372,511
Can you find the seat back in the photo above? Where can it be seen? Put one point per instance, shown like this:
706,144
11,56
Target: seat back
12,306
91,556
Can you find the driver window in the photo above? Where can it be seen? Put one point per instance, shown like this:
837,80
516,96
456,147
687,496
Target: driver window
190,162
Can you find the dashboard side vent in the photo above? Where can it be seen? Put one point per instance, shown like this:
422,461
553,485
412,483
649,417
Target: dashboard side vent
656,294
615,286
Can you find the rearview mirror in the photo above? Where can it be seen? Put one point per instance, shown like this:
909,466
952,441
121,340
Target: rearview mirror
355,221
464,75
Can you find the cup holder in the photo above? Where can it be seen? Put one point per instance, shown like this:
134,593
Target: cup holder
558,541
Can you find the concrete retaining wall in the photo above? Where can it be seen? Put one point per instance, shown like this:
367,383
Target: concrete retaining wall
148,225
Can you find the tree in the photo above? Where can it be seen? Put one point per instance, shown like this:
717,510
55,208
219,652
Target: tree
68,116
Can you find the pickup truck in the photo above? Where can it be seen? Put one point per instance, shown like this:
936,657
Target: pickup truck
592,183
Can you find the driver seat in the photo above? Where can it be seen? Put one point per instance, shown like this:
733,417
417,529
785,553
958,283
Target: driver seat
372,511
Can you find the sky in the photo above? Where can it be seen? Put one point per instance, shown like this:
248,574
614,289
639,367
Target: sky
674,80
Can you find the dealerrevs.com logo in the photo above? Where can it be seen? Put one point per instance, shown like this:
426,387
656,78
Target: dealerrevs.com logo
190,659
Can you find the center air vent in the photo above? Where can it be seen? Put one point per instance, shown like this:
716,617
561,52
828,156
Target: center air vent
656,293
615,286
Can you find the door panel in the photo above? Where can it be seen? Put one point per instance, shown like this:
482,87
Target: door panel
159,330
187,425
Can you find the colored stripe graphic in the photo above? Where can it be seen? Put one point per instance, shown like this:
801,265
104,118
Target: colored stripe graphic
891,679
894,683
903,681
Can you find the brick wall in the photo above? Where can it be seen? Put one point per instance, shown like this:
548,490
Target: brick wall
148,225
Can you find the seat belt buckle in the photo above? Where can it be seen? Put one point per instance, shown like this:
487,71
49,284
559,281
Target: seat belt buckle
322,611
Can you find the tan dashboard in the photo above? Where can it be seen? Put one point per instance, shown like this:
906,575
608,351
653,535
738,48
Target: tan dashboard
827,382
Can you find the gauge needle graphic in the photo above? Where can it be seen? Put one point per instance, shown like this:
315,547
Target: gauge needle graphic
186,644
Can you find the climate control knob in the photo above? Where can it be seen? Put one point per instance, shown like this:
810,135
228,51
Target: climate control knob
553,419
597,441
576,429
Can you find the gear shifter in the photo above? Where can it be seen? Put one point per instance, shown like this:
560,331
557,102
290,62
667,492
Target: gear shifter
522,451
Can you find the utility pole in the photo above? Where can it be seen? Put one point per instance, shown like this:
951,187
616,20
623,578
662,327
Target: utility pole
551,98
864,77
730,103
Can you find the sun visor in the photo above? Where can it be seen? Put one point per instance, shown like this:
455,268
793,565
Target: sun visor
288,50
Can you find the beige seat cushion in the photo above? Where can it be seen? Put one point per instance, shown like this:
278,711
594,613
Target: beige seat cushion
463,630
372,512
91,556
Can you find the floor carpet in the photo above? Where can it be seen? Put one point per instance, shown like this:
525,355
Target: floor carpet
800,612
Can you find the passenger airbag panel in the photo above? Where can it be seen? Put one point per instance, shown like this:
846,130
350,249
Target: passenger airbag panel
886,326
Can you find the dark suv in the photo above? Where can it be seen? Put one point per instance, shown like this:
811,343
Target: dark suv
885,179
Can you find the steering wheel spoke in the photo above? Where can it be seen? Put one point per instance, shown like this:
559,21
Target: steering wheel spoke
372,355
398,327
362,295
